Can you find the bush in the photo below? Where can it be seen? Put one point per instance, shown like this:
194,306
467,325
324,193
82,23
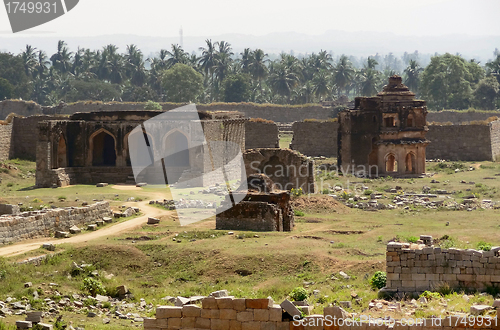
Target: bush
412,239
368,192
297,192
151,105
298,213
325,191
298,294
378,280
93,286
430,295
484,246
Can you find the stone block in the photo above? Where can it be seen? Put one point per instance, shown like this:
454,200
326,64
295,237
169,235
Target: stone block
290,308
275,314
224,303
209,303
239,304
165,312
174,323
246,316
234,325
107,219
214,313
217,324
191,311
227,314
202,323
268,326
188,322
75,230
150,324
282,325
46,326
261,315
259,303
24,324
92,227
206,313
250,325
101,184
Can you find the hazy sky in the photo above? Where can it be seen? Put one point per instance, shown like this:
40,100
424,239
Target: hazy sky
259,17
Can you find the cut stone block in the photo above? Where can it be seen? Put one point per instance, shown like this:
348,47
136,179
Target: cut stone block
290,308
153,221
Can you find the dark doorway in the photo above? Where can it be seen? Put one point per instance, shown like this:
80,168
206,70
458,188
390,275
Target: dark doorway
103,153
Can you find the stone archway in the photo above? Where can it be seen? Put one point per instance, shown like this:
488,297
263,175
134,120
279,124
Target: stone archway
103,148
126,149
391,164
177,144
61,156
411,163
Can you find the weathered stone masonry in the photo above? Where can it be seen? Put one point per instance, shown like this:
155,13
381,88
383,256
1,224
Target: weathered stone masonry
261,314
314,139
261,135
42,223
5,141
416,268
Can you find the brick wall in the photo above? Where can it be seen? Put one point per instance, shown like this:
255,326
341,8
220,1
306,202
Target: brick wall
261,314
457,117
460,142
22,108
315,138
5,141
261,135
416,268
42,223
25,136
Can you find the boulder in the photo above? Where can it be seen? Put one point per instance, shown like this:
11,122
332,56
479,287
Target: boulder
153,221
75,230
61,234
102,184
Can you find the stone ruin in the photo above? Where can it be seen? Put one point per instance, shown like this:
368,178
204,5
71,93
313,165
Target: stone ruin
263,208
384,134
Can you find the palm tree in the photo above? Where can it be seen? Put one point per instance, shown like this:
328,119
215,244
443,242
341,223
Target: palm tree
246,59
321,83
371,80
29,61
257,66
134,65
412,73
207,63
371,63
283,80
41,64
177,55
343,74
61,60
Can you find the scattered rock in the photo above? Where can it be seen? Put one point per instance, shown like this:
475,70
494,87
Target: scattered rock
153,221
75,230
102,184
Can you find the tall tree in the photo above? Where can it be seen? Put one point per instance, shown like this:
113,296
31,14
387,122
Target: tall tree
344,74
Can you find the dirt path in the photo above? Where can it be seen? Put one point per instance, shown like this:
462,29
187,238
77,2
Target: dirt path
113,230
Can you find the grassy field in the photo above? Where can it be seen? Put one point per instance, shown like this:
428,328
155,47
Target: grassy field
329,237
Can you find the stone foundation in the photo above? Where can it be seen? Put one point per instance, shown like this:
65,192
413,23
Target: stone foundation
43,223
414,268
261,135
261,314
8,209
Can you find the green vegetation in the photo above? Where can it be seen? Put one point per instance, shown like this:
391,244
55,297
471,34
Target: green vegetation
378,280
219,74
298,294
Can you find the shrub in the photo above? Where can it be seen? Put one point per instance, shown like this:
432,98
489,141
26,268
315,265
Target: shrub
298,294
325,191
430,295
93,286
378,280
298,213
37,200
10,184
297,192
151,105
481,245
368,192
412,239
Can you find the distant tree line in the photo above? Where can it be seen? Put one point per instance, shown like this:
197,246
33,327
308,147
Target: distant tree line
217,74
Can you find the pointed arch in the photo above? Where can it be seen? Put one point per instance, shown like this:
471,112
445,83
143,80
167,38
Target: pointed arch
411,162
391,163
177,143
61,153
102,151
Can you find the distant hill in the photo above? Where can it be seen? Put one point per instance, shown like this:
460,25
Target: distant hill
339,42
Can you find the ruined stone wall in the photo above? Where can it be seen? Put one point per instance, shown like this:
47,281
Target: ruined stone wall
261,135
495,139
315,138
457,117
261,314
417,269
42,223
277,113
25,136
22,108
5,141
460,142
